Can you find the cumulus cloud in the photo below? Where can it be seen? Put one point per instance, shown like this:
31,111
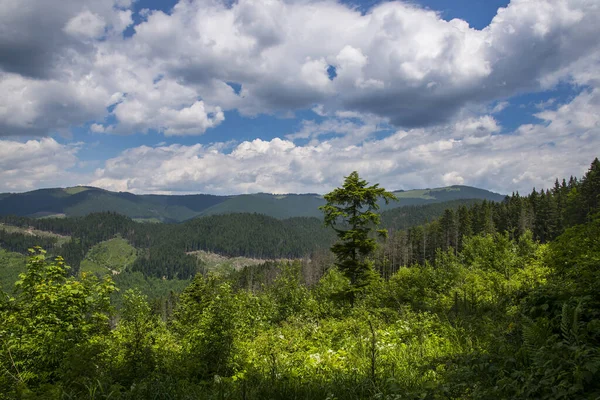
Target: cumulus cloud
86,24
36,163
47,78
349,127
397,67
165,106
397,61
32,106
37,36
471,151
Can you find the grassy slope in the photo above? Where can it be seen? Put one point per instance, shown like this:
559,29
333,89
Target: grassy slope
12,264
76,189
112,255
117,252
438,195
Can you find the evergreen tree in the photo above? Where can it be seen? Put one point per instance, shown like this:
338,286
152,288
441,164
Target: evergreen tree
354,205
465,227
590,188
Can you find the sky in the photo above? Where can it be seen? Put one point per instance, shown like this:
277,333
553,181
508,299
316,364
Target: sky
246,96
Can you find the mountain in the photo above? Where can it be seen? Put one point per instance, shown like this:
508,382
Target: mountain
83,200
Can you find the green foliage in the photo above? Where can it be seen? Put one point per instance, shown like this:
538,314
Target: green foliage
288,294
161,293
206,323
354,204
11,266
133,352
50,314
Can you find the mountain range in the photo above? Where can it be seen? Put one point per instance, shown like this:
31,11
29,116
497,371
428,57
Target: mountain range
83,200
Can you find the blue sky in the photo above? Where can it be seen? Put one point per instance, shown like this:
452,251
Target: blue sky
161,96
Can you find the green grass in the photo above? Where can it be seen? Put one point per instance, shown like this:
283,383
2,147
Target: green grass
111,256
75,189
11,265
447,189
415,194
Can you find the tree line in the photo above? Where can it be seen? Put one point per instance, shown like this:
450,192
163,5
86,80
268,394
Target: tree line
545,214
165,245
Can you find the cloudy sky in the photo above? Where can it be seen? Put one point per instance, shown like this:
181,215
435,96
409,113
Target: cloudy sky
221,96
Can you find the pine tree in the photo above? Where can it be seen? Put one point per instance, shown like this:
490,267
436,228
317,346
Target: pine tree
353,206
449,229
590,188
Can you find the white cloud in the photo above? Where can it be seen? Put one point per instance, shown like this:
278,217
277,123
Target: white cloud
38,38
97,128
477,127
500,107
86,24
453,178
35,163
470,152
397,61
135,115
397,64
353,127
48,80
33,106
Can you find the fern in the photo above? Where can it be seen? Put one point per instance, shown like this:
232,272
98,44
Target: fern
576,323
565,322
570,323
535,335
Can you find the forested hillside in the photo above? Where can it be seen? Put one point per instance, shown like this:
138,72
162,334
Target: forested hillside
82,200
488,301
247,235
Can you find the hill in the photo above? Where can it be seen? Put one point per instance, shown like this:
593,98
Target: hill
84,200
110,256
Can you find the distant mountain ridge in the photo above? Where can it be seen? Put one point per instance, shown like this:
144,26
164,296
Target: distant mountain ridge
83,200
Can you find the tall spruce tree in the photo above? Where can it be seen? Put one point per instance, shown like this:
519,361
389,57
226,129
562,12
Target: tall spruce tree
590,188
353,208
